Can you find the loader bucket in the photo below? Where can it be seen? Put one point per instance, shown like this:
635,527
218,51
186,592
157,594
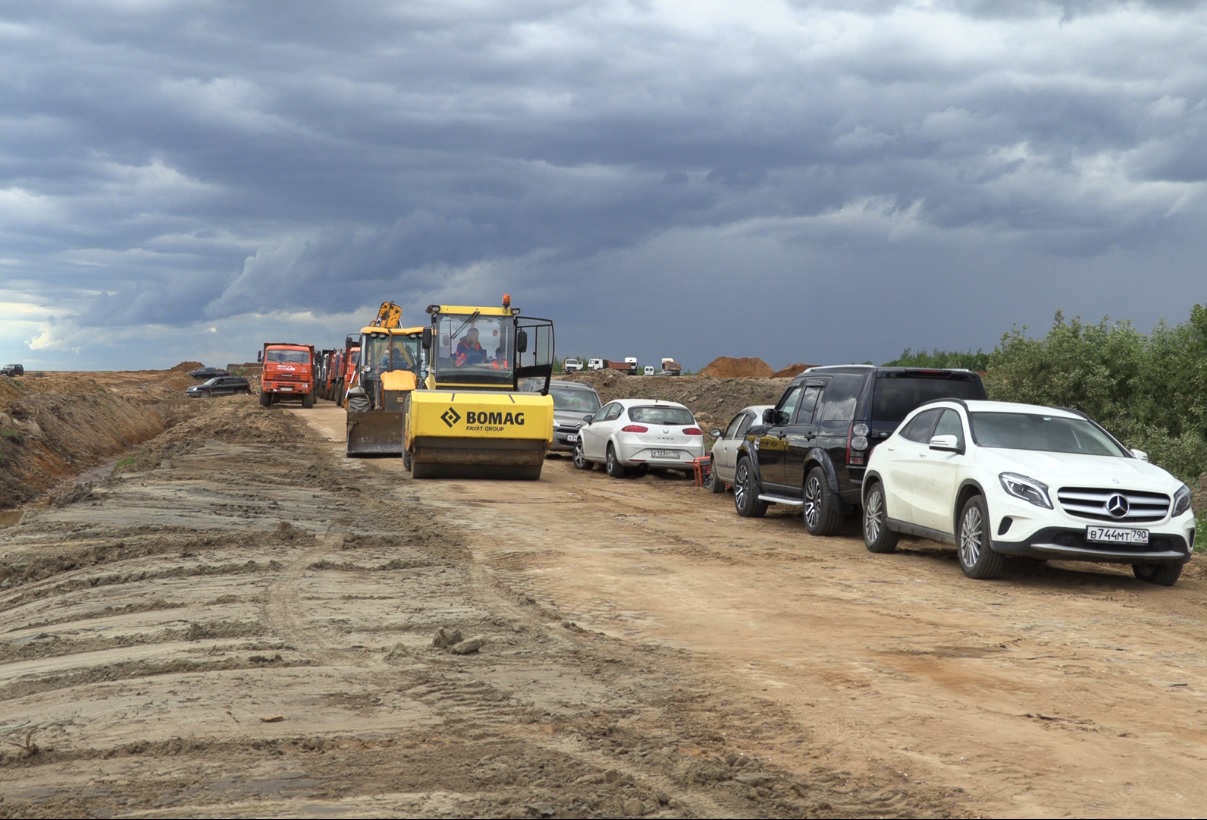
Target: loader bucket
375,433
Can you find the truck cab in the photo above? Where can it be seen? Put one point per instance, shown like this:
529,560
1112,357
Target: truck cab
287,373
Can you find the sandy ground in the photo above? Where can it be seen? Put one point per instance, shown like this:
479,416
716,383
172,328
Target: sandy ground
241,621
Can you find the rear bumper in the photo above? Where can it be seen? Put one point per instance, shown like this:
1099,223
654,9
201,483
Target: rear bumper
644,456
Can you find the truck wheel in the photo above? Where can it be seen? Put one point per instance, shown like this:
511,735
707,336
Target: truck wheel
265,399
877,537
308,401
612,464
746,491
820,518
977,558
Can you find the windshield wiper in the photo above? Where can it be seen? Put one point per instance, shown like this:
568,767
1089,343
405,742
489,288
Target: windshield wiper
468,321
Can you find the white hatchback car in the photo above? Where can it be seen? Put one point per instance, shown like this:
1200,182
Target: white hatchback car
645,434
725,449
1000,479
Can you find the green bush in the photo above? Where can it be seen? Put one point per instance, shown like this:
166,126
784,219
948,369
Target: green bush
1149,391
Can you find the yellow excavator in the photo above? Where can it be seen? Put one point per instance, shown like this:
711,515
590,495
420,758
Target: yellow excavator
469,417
390,364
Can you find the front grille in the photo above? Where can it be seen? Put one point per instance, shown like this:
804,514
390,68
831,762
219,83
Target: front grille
1098,504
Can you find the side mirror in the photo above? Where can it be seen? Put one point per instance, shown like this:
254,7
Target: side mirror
427,338
1140,454
946,442
715,433
521,341
769,416
260,356
587,419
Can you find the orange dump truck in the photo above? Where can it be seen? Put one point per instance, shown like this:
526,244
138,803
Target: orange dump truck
287,373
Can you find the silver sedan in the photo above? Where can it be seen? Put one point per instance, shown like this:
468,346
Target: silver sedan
725,448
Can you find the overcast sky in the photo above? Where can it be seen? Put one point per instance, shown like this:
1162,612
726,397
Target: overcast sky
822,182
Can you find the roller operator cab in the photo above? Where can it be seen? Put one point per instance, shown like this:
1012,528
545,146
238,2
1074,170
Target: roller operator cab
469,418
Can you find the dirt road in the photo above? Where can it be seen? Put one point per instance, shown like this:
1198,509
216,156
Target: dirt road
243,622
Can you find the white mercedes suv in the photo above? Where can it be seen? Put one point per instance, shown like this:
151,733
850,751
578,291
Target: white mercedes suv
1003,479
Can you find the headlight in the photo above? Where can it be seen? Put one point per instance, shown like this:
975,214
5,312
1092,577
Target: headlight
1026,488
1181,501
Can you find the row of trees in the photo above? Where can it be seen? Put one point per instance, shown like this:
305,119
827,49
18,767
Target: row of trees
1150,391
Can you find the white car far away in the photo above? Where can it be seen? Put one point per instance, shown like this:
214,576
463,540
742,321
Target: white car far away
640,434
1000,479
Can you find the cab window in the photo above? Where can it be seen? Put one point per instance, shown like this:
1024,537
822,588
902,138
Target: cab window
738,426
838,404
808,403
920,426
950,425
787,406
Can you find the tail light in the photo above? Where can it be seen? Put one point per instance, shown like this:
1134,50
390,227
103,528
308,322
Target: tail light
634,428
692,431
857,444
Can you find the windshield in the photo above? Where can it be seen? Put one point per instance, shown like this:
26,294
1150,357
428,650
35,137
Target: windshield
277,354
894,398
1036,431
661,415
574,401
476,349
388,351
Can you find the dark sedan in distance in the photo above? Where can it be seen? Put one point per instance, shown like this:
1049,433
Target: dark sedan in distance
208,372
219,386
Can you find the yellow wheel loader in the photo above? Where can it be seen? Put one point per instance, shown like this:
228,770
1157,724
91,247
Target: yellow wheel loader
469,418
388,370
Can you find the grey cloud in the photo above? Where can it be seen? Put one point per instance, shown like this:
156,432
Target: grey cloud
206,163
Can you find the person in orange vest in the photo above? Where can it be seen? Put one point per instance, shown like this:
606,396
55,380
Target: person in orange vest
469,349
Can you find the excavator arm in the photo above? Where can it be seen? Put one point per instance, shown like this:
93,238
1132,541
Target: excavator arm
389,315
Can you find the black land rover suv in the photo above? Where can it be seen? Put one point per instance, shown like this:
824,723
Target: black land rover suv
812,448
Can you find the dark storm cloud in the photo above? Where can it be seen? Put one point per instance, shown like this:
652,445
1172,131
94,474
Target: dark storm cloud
225,168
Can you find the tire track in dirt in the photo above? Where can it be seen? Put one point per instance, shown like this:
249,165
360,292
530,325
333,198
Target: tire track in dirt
613,683
539,569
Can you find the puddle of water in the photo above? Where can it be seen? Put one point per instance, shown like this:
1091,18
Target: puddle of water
9,517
